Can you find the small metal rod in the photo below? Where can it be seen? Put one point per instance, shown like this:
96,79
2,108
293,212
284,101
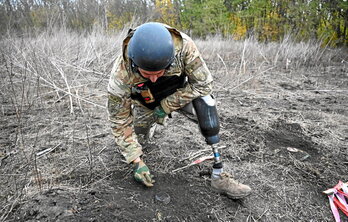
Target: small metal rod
217,156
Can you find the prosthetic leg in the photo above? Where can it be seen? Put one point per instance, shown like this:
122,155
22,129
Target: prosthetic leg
208,122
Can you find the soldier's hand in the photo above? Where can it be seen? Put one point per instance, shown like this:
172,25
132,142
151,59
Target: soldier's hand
142,174
159,112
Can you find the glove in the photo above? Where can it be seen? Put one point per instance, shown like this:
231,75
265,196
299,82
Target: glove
142,174
159,112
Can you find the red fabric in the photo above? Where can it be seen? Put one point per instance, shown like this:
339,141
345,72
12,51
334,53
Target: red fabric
340,206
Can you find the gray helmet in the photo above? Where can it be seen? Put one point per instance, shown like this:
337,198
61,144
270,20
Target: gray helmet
151,47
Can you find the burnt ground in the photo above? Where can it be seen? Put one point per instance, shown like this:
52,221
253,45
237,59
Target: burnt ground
83,176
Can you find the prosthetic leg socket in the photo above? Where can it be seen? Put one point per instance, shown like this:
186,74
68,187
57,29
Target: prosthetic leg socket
209,125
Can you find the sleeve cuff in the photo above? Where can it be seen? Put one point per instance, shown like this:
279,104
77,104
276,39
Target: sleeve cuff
165,107
129,159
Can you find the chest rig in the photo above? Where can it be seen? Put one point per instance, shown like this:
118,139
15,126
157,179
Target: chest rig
150,94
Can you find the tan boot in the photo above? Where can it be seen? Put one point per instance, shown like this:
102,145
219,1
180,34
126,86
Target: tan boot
225,184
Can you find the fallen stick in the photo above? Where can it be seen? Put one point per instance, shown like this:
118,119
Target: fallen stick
200,160
48,150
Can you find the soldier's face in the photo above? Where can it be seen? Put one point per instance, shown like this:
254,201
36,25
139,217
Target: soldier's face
152,75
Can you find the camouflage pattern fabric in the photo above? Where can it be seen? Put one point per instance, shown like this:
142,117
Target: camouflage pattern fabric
125,114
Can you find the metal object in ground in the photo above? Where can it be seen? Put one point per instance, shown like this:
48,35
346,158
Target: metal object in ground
162,197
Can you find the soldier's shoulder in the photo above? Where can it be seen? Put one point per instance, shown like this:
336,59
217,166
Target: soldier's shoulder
176,36
119,70
186,38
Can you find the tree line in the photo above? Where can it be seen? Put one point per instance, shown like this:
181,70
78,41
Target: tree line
266,20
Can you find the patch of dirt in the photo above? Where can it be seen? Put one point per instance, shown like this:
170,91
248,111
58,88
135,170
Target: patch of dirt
119,197
284,135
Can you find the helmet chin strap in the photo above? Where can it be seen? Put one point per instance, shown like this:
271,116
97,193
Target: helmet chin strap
134,67
171,63
168,67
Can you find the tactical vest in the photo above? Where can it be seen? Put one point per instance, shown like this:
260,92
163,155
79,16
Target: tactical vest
150,94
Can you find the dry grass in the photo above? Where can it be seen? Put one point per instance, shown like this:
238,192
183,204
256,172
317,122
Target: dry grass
55,134
41,78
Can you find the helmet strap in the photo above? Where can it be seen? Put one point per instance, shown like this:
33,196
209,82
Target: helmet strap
170,64
168,67
134,67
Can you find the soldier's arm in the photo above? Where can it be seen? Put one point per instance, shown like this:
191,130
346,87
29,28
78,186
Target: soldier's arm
120,113
199,79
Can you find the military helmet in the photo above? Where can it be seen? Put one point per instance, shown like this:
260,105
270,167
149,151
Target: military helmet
151,47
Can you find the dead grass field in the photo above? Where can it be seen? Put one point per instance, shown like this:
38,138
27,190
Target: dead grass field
58,160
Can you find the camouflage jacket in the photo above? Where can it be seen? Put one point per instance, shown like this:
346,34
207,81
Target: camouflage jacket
187,61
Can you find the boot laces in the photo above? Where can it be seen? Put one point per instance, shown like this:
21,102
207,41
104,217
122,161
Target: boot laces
227,177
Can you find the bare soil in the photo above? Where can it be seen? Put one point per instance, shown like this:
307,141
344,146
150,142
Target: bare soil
84,178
